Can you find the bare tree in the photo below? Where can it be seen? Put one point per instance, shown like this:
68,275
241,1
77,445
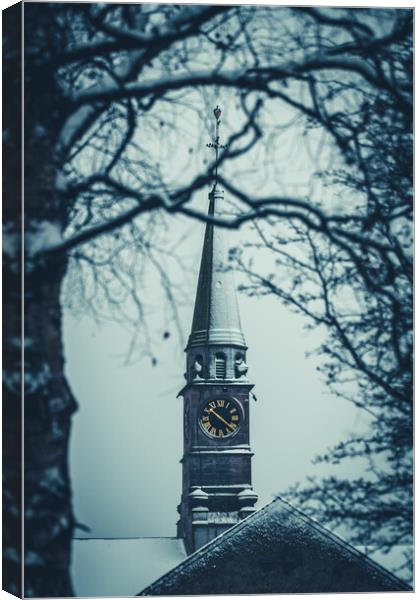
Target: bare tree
101,83
350,274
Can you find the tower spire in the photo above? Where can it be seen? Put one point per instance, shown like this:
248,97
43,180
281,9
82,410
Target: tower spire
216,313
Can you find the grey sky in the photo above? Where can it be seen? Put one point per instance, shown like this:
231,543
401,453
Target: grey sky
127,436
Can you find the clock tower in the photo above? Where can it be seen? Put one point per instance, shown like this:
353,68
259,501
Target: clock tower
216,464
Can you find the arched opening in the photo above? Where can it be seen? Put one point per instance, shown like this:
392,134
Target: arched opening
197,367
241,367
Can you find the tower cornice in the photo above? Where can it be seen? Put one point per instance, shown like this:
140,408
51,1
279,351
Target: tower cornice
230,385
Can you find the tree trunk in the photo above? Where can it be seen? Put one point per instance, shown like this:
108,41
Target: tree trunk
12,302
48,401
48,408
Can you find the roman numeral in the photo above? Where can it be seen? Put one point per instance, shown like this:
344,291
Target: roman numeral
213,430
235,418
221,434
205,419
220,403
212,404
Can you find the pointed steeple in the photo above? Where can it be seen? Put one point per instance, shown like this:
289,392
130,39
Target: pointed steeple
216,464
216,313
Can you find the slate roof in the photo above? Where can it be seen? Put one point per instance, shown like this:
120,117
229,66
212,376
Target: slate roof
120,567
278,550
216,314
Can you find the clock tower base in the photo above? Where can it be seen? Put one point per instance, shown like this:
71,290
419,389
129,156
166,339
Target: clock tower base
198,525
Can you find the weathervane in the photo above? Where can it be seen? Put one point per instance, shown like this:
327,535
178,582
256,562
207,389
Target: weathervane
216,144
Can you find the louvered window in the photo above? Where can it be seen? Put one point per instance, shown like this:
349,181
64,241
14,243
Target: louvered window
220,366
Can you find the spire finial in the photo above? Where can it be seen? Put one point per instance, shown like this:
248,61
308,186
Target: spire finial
216,144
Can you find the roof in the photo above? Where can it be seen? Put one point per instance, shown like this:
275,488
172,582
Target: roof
278,549
120,567
216,313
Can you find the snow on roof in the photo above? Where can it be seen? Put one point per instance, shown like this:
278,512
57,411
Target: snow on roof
392,559
278,549
122,567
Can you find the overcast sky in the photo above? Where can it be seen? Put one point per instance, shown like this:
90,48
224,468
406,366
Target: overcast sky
127,435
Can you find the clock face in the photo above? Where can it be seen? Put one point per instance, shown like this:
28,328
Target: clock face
220,418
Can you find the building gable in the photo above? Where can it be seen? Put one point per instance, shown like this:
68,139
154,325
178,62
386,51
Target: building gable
278,549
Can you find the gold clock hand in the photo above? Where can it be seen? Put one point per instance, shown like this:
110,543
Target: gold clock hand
221,418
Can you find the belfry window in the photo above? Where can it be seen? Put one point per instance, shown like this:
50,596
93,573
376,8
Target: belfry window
220,366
